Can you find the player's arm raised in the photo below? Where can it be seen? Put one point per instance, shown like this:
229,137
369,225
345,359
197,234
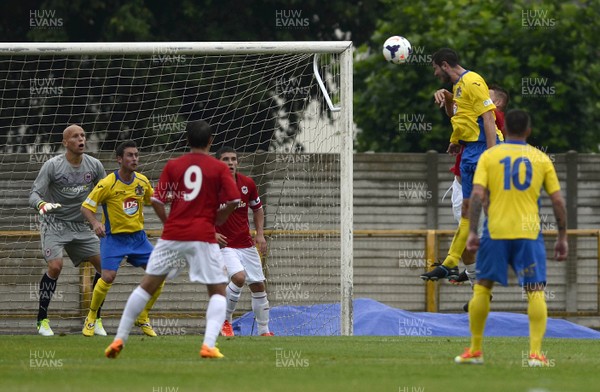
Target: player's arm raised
444,98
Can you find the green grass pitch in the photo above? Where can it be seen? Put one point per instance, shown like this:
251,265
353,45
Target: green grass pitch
287,364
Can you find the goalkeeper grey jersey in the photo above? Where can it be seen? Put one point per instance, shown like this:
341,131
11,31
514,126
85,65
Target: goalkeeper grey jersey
60,182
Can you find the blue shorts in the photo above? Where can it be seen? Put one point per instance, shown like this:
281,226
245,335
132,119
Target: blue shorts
468,164
526,257
134,246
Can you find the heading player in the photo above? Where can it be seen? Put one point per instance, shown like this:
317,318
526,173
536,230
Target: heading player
122,195
471,112
193,184
239,251
60,187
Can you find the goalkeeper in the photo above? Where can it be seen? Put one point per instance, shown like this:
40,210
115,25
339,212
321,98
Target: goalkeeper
61,186
122,195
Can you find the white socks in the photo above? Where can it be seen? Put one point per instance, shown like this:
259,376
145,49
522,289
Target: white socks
260,307
215,317
233,296
135,304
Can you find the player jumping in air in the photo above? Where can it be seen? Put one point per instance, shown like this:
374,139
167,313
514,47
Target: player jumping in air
471,111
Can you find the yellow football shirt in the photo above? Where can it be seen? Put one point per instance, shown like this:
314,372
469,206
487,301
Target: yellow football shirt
471,100
514,173
122,203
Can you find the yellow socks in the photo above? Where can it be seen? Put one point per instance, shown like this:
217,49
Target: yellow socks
459,243
479,308
538,316
100,291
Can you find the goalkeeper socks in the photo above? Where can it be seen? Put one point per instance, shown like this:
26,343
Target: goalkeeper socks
459,243
143,317
260,307
96,278
233,293
538,316
47,288
135,304
215,317
100,290
479,308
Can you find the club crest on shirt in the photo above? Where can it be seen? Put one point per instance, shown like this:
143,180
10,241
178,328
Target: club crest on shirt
458,92
245,190
130,206
139,190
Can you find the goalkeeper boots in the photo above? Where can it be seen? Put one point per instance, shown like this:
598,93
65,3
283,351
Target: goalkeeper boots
146,327
470,358
114,349
441,272
210,352
227,329
43,327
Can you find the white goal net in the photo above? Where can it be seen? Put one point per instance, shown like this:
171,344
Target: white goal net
285,107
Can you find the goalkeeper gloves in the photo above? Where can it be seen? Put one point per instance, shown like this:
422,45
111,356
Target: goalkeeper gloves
45,208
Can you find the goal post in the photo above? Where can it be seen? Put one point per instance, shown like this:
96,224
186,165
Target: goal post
286,107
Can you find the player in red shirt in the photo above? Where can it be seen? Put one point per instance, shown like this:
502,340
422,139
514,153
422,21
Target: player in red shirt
239,251
192,184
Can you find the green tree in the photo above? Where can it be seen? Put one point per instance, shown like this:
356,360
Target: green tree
544,54
159,20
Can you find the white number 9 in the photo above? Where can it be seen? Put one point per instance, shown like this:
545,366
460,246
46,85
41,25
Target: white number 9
194,184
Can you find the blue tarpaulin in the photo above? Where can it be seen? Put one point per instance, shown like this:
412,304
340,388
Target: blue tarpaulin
372,318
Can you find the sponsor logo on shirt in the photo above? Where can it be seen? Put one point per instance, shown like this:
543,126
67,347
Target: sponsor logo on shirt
130,206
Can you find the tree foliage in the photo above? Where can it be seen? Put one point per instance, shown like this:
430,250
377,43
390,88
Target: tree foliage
545,54
112,117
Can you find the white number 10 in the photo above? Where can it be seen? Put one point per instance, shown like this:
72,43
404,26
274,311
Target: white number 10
194,184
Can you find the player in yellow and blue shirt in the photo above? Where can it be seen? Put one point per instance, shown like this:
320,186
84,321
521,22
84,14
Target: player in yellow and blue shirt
514,174
471,111
122,195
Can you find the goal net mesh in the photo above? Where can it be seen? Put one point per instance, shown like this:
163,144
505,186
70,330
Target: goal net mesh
269,107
